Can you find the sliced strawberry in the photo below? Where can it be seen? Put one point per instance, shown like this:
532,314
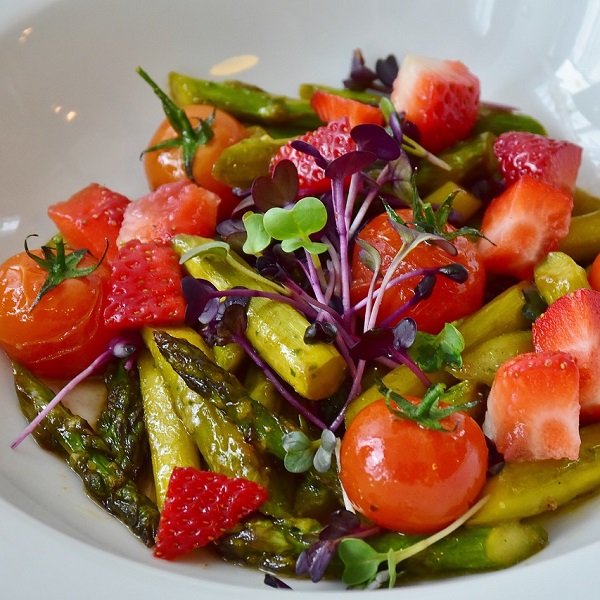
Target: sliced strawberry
572,324
441,97
523,224
145,286
331,140
533,407
90,218
173,208
521,153
199,507
330,107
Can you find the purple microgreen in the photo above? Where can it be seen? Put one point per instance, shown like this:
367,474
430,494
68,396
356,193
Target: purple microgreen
257,238
306,148
433,352
347,164
422,291
369,256
320,331
363,78
189,138
455,272
275,582
375,139
203,300
61,265
295,225
279,190
122,346
387,69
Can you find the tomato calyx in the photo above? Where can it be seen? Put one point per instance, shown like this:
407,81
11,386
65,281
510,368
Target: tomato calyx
428,412
61,265
190,138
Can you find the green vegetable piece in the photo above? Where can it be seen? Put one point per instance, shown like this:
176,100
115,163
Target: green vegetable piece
307,90
89,456
557,275
582,243
466,160
584,202
432,352
245,102
121,422
525,489
499,120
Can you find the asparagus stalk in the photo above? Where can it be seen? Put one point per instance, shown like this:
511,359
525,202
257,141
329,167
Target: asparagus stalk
121,422
557,275
90,457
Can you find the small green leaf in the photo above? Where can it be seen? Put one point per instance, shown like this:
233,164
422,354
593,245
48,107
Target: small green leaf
432,352
258,238
299,452
361,561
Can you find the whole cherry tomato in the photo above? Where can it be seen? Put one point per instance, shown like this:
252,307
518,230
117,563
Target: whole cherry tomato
166,166
64,332
449,301
408,478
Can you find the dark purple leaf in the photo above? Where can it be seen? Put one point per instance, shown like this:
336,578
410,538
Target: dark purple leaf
275,582
373,344
279,190
446,245
405,333
348,164
320,332
306,148
424,288
202,299
387,69
455,271
374,138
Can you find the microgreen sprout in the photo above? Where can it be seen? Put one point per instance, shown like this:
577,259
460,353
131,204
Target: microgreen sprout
303,453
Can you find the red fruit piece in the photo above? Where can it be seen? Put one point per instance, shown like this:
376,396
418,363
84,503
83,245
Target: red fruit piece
331,140
572,324
144,286
523,224
441,97
90,218
533,407
200,506
521,153
173,208
330,107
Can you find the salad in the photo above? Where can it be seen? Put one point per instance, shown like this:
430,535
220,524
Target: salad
352,334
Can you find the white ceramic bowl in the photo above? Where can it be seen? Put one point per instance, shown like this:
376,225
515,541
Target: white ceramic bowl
73,111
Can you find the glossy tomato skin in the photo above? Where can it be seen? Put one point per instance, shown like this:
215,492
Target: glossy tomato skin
65,331
449,301
407,478
166,166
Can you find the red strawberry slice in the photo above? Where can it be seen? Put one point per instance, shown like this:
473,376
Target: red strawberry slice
330,107
90,218
556,162
145,287
173,208
572,324
199,507
533,407
441,97
523,224
331,140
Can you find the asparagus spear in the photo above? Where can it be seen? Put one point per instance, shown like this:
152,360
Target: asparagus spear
121,423
89,456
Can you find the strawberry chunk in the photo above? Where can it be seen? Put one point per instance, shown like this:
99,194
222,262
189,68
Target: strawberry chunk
331,140
441,97
173,208
90,218
533,407
144,287
521,153
330,107
572,324
523,224
199,507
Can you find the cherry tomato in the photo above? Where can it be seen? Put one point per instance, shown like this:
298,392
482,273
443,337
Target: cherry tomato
64,332
166,166
449,301
408,478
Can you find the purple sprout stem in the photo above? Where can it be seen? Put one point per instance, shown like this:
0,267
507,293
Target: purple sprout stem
337,189
354,391
261,364
315,276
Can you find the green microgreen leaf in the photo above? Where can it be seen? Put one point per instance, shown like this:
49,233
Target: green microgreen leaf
369,256
257,238
361,561
60,264
433,352
299,452
294,226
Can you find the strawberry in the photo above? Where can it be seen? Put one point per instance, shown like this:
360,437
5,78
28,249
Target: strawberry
331,140
200,506
330,107
554,161
144,287
441,97
533,407
572,324
173,208
90,218
523,224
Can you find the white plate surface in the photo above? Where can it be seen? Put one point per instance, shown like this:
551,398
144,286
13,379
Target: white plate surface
73,111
